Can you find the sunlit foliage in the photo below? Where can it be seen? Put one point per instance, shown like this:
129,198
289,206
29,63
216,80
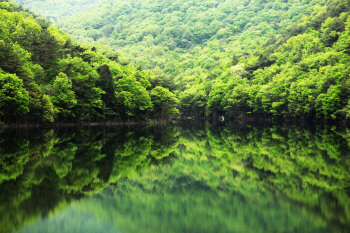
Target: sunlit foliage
55,79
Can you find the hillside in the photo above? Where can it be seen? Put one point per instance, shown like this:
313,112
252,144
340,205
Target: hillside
45,77
302,73
285,59
57,10
184,38
233,58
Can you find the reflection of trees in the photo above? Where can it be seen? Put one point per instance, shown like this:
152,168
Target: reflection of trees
20,159
222,178
181,204
16,151
216,166
42,170
307,165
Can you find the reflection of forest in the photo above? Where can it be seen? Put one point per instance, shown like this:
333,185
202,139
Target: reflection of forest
307,165
227,168
234,178
42,171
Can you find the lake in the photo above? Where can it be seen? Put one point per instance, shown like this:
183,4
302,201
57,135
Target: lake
181,177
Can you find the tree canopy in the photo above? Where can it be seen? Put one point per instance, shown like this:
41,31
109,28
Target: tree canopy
231,58
47,77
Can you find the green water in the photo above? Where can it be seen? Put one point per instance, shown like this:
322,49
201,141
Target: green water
181,177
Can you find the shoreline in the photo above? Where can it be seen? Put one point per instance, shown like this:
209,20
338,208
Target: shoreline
240,119
83,124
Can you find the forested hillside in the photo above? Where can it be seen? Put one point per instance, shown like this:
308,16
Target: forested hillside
302,73
184,38
57,10
45,77
232,58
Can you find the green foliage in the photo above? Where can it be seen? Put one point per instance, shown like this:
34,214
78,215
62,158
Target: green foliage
106,83
14,99
164,103
132,96
147,32
84,78
48,113
231,57
63,96
193,100
65,81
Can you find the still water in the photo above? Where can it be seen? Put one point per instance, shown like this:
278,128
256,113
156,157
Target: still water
182,177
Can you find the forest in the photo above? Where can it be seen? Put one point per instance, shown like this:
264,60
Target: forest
273,58
149,60
45,77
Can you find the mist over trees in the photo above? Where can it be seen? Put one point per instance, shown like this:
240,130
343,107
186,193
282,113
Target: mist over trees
57,10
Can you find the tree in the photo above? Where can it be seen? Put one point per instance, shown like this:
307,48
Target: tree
164,103
14,99
193,100
84,79
63,97
48,111
106,83
132,97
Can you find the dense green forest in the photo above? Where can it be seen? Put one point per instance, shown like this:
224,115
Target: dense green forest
57,10
184,36
45,76
230,58
240,171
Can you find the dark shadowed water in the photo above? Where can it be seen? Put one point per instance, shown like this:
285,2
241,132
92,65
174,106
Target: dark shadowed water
182,177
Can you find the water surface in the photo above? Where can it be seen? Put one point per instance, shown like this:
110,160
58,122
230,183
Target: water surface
182,177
